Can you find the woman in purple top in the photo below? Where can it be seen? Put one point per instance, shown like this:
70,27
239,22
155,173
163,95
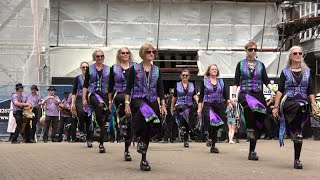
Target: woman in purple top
144,86
250,75
77,106
294,98
212,103
51,103
182,100
117,86
95,94
17,101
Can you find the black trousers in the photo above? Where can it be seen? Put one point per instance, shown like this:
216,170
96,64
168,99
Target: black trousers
18,116
84,120
31,126
53,122
62,123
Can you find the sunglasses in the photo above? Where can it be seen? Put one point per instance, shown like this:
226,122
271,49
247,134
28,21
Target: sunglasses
296,53
125,53
99,56
252,49
149,52
84,67
184,75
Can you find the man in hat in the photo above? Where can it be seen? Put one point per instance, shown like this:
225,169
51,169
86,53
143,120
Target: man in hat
34,100
65,109
51,103
17,105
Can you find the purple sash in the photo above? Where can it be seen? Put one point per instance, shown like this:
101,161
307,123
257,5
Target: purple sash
215,120
148,113
185,114
255,105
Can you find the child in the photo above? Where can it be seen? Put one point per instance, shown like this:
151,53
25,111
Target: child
231,122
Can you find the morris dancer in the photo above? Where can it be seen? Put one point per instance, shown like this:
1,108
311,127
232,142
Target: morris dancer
182,101
145,85
117,85
213,95
296,86
250,75
95,90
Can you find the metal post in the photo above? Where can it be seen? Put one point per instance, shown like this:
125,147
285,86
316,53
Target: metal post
107,20
209,28
58,26
264,24
158,31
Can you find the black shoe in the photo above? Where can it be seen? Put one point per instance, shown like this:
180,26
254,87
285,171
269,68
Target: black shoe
253,156
55,140
32,141
101,149
142,148
275,138
89,144
186,144
45,140
15,142
144,166
298,164
237,141
268,138
214,150
73,141
127,156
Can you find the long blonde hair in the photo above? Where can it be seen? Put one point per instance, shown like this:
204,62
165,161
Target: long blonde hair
119,52
289,63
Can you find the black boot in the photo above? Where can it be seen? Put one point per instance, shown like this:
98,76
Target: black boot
214,150
186,144
127,156
144,166
101,149
253,156
89,144
298,164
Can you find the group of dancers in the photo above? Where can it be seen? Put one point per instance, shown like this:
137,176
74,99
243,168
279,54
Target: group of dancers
131,96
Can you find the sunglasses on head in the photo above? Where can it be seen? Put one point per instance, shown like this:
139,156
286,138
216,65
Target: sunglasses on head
184,75
125,52
99,56
252,49
149,52
296,53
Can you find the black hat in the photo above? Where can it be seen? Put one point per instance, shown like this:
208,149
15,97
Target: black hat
66,93
51,88
19,85
34,87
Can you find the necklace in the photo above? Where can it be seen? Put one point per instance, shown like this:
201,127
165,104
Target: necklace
295,67
297,75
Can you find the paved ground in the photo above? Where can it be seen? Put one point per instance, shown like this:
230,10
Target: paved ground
168,161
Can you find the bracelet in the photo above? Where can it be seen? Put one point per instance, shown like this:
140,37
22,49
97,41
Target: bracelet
126,102
275,107
110,102
172,107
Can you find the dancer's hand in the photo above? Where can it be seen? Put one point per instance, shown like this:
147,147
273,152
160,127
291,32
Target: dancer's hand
275,112
163,110
199,111
172,111
127,109
84,101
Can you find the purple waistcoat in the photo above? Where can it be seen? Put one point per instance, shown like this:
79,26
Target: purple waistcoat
141,88
80,81
97,84
120,82
248,82
211,96
182,98
292,88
